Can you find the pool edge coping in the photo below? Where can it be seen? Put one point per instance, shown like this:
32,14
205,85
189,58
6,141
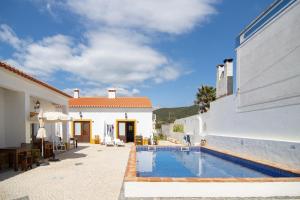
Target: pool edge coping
130,173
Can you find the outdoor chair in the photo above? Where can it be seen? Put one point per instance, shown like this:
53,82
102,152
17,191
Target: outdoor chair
119,142
28,160
73,142
108,141
59,145
25,160
35,152
2,159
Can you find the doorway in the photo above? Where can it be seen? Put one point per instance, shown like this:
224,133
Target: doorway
82,131
126,130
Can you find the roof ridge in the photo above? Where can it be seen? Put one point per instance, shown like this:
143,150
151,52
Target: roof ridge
21,73
122,97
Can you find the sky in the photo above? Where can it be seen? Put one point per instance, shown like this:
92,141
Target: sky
164,50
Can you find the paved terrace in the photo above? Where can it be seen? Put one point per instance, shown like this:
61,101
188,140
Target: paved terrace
89,172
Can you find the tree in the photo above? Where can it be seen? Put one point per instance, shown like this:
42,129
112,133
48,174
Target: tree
204,96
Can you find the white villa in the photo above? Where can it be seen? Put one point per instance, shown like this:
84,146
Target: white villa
119,117
21,98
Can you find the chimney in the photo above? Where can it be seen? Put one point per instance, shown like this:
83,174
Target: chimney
229,75
224,83
76,93
219,82
220,71
111,93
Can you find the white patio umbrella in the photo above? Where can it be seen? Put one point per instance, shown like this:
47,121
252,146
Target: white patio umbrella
56,117
42,131
53,117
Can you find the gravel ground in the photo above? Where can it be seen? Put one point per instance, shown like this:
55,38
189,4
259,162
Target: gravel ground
90,172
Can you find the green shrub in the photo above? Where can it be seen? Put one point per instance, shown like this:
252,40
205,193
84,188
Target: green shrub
178,128
162,137
155,139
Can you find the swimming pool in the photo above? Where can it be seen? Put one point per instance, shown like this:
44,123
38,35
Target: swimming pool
200,163
167,171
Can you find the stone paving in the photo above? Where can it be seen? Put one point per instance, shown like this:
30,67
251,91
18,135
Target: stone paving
90,172
122,197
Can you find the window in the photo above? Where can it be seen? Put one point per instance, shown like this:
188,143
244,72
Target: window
122,128
77,128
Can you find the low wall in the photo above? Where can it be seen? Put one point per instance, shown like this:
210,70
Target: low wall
268,134
167,129
285,153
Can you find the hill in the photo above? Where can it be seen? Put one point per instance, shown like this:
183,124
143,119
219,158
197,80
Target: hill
169,115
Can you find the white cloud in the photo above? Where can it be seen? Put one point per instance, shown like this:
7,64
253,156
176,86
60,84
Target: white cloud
90,92
170,16
119,53
110,57
9,36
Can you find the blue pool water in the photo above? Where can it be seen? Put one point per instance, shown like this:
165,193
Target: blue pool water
199,162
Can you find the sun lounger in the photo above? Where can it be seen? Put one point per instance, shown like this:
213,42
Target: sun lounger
108,141
119,142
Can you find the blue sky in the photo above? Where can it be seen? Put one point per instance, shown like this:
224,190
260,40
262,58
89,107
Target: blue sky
161,49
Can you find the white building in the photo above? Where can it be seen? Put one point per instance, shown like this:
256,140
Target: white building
262,119
21,98
121,117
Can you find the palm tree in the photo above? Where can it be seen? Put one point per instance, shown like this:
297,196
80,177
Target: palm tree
204,96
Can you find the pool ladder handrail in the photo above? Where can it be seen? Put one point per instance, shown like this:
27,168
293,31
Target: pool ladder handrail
151,148
184,148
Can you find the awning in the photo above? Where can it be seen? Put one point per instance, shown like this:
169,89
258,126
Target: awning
54,116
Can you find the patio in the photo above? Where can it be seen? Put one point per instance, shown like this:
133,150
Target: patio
88,172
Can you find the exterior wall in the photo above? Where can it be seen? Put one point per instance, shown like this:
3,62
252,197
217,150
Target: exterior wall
280,123
19,96
262,120
270,134
166,129
277,152
191,126
2,122
14,118
268,64
102,116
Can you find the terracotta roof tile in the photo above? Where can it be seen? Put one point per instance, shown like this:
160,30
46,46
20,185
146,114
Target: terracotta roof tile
24,75
118,102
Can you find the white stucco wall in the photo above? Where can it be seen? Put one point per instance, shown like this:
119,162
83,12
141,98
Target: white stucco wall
269,134
277,124
100,116
2,114
191,124
268,64
14,118
20,95
262,119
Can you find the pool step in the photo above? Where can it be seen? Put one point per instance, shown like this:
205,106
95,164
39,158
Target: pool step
151,148
185,149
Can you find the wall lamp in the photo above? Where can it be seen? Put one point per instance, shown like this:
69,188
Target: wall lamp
37,105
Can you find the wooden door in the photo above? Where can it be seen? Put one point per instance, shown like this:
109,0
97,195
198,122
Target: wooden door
82,131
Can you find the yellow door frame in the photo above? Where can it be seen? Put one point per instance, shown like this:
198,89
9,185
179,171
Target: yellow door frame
83,120
126,120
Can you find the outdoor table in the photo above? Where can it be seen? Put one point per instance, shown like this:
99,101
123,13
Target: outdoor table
74,140
14,152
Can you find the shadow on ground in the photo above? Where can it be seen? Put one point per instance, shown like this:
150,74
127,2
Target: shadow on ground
71,154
